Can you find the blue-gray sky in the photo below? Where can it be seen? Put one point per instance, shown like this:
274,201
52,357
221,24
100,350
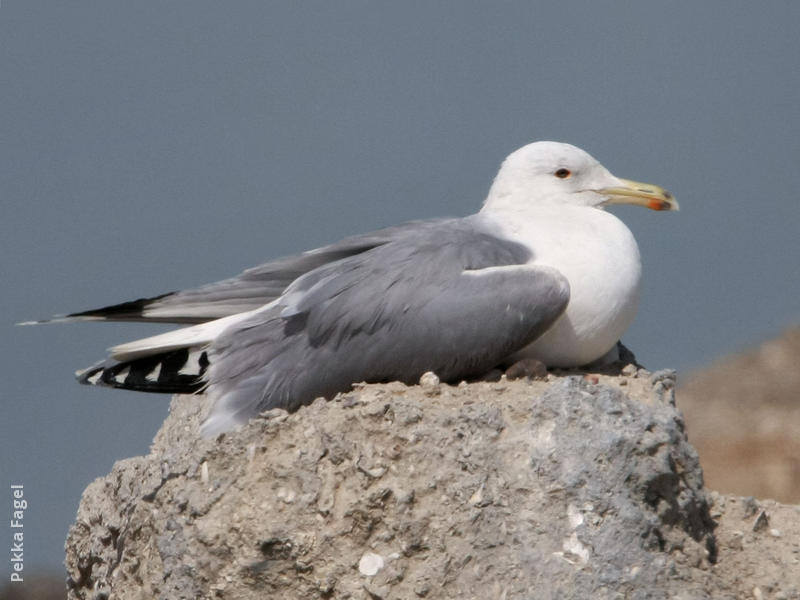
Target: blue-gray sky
153,146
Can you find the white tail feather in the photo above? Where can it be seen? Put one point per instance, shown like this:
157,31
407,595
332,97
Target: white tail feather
196,335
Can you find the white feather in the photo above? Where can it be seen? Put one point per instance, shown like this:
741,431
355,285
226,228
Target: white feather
196,335
153,375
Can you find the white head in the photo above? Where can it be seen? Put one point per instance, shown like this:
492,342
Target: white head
548,173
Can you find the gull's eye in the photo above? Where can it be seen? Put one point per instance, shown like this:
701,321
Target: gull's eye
563,173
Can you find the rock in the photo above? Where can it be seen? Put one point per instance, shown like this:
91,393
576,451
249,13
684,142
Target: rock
761,522
527,367
370,564
743,415
487,490
430,384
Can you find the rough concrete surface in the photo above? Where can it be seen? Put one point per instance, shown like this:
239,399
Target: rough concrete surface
581,486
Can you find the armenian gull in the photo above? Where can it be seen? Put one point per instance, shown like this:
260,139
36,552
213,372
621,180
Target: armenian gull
541,272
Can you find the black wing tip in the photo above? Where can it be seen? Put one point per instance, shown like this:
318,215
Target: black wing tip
132,310
125,311
165,373
56,319
90,375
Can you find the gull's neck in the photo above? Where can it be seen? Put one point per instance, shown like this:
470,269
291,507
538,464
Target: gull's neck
507,198
519,215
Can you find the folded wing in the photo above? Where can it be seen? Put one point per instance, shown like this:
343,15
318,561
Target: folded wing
455,301
449,297
249,290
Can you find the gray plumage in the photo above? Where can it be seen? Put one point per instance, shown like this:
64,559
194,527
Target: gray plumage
250,290
420,302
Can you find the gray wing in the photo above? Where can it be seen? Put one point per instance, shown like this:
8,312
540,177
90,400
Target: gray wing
452,299
248,291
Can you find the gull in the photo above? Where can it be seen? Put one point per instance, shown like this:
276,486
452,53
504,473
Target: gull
541,272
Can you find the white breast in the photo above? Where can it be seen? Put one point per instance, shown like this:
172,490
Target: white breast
598,255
